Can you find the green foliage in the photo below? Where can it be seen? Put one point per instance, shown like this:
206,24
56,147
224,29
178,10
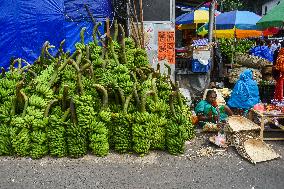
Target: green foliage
229,5
229,47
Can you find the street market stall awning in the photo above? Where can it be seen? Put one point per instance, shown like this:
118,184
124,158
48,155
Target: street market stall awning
274,18
195,17
240,24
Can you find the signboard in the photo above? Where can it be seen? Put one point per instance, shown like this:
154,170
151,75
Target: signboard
166,46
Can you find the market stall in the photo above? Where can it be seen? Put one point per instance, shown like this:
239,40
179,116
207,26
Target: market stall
269,114
193,65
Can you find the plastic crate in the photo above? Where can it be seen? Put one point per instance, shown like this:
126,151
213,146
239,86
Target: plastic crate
197,67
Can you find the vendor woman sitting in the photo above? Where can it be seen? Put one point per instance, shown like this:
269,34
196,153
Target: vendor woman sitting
210,114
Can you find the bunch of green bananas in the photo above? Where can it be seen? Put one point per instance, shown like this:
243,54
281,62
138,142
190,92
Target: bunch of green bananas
158,125
37,124
77,133
5,141
8,84
142,132
39,147
176,137
98,137
185,120
121,132
56,133
141,58
20,136
160,107
76,138
164,89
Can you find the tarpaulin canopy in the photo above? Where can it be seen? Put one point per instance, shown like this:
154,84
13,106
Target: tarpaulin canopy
27,24
274,18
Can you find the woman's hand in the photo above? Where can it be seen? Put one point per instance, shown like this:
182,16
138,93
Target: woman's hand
217,118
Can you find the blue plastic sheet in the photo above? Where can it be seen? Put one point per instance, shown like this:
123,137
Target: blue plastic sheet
245,93
27,24
263,52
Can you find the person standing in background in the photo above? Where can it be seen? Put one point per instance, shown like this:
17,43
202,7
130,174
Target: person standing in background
279,77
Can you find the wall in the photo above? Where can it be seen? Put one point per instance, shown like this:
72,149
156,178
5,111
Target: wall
151,42
268,6
153,24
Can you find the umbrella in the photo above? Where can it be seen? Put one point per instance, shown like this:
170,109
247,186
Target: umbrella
240,24
196,17
199,16
274,18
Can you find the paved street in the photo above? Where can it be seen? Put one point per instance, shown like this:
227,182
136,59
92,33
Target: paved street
215,169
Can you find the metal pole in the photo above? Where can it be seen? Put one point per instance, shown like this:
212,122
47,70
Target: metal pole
211,21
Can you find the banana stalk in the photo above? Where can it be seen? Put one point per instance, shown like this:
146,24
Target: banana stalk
123,56
105,95
143,100
65,97
26,103
3,72
50,104
82,35
95,32
172,96
115,30
115,57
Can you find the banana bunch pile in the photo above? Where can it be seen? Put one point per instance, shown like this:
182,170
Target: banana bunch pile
8,84
92,100
56,132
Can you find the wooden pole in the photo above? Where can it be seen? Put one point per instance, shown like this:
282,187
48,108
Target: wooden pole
139,36
107,27
141,21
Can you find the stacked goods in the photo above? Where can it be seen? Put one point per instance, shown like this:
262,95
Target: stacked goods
235,74
93,100
251,61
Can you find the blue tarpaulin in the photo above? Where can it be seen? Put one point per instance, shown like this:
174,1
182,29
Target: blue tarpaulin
245,93
27,24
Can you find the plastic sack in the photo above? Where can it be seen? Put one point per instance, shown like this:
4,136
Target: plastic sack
245,93
263,52
198,67
259,107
